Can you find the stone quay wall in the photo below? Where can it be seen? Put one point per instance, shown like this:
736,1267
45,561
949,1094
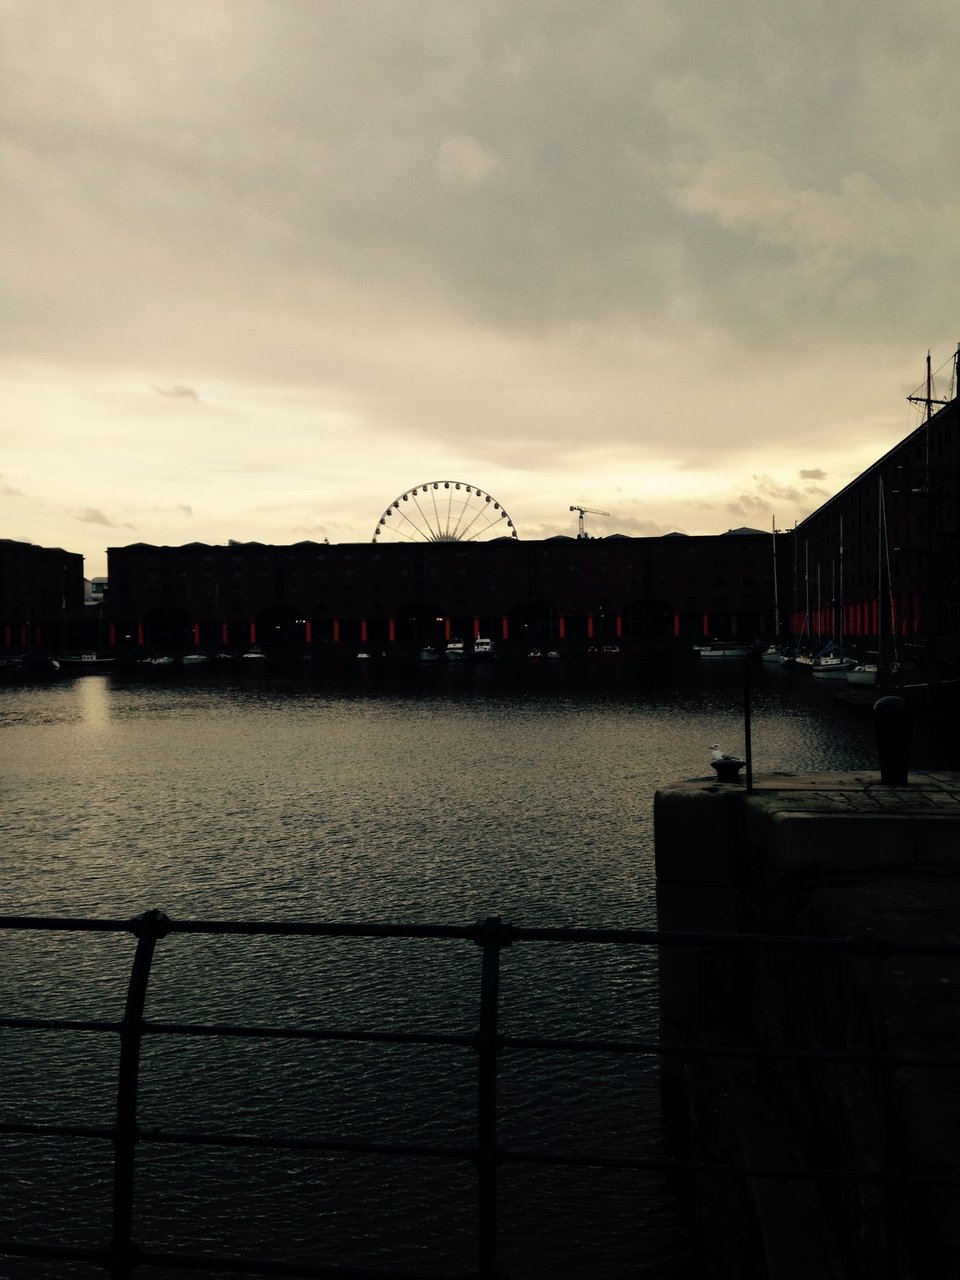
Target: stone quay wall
866,878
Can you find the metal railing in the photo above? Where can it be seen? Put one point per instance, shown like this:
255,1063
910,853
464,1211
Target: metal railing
123,1255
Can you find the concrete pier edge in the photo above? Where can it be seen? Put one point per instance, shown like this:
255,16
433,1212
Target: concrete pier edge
828,856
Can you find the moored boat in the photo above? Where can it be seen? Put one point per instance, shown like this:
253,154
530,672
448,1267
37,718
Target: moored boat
832,666
865,673
77,663
725,649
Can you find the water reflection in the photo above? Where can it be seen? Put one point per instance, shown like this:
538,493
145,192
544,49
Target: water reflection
94,700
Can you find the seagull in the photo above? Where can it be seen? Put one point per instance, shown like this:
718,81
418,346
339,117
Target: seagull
716,754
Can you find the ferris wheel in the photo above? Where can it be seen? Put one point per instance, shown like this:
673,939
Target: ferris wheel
444,511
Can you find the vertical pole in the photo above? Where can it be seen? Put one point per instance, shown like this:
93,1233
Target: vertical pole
562,627
589,626
148,928
491,936
747,736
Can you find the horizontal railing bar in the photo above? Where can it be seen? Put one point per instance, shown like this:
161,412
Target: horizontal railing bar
291,928
867,945
650,1048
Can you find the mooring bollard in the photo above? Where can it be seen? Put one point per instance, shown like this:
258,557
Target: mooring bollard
894,728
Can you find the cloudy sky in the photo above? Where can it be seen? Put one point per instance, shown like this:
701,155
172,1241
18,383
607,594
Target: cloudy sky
267,264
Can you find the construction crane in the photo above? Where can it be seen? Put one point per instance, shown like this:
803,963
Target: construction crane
586,511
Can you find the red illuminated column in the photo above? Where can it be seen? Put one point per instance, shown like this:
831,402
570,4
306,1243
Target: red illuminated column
706,624
253,633
391,630
224,633
111,634
476,628
139,633
196,633
619,627
308,632
363,631
336,631
505,627
589,626
676,624
446,628
562,627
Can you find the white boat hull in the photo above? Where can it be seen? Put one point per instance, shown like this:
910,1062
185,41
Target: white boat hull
865,675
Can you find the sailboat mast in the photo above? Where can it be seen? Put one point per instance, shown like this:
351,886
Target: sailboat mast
840,619
776,591
879,573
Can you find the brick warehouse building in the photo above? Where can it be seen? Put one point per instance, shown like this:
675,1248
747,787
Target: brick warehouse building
878,565
395,597
41,591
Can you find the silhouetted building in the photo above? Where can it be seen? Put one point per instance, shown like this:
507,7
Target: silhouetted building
570,591
878,566
38,587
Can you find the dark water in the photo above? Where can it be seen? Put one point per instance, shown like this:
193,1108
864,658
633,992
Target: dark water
438,795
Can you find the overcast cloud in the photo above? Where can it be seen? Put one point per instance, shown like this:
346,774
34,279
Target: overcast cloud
275,263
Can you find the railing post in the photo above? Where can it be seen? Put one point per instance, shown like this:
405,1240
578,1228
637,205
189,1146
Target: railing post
148,929
491,936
